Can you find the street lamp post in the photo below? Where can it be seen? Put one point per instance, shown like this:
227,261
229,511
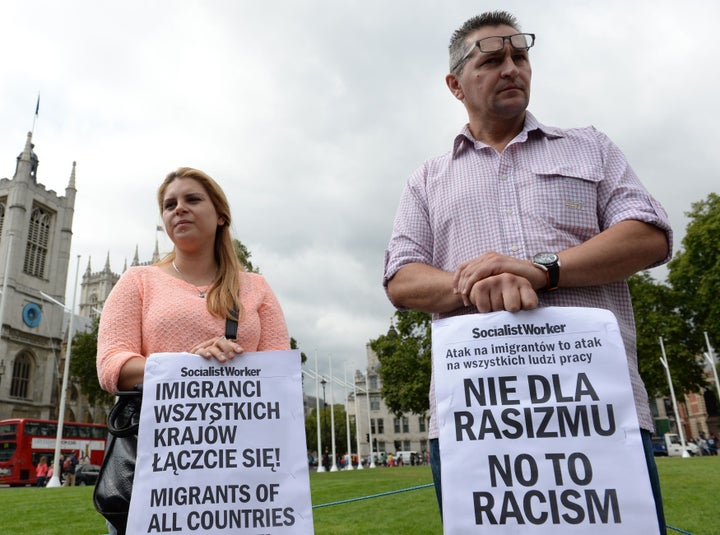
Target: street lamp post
320,467
6,275
55,479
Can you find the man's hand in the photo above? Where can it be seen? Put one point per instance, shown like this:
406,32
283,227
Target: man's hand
506,291
494,282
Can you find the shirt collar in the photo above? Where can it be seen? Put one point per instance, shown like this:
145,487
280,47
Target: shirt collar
465,139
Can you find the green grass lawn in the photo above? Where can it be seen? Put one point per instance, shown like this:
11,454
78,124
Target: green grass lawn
690,490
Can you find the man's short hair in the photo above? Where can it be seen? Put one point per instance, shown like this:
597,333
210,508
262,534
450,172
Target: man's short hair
458,46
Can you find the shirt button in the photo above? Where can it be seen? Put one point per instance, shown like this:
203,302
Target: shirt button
508,212
503,177
514,248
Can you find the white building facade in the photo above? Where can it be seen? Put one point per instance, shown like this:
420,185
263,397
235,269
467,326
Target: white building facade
389,432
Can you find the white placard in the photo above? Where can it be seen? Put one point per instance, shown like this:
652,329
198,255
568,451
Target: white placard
538,427
221,447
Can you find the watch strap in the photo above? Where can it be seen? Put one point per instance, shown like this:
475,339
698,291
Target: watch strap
551,269
553,277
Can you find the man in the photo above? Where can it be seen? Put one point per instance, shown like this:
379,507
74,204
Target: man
68,470
518,214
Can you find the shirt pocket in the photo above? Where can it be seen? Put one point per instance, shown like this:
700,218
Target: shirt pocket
562,199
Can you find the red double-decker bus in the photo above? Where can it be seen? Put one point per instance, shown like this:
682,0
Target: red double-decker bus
24,440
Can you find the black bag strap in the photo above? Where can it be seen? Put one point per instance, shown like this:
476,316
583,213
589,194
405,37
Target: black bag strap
231,325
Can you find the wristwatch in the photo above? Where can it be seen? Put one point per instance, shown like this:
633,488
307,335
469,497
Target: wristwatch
550,264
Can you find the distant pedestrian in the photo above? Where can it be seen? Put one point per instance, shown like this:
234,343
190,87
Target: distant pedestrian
712,444
41,471
68,470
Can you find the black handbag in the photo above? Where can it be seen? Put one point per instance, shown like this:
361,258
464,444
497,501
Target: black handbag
115,481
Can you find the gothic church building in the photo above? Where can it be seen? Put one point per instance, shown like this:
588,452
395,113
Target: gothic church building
35,239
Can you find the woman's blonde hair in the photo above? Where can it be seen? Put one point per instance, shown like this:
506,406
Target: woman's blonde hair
223,297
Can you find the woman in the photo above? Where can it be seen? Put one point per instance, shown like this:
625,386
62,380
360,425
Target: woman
41,471
181,303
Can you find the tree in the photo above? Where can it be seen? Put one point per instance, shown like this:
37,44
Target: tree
294,345
694,273
657,315
83,367
405,362
341,446
244,256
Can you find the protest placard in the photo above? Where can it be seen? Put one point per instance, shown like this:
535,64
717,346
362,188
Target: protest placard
221,447
538,428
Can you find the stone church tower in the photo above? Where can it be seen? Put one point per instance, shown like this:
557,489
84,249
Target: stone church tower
35,237
95,286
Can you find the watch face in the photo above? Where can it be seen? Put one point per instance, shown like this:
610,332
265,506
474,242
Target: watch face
545,258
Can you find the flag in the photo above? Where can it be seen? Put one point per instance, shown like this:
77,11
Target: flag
37,105
159,228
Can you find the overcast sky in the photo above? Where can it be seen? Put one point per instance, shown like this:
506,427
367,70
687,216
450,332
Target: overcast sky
312,114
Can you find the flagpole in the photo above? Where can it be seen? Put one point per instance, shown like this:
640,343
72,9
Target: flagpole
664,362
347,420
710,356
334,467
37,110
357,424
370,431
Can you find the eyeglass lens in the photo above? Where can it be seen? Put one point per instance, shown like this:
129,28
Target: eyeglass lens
521,41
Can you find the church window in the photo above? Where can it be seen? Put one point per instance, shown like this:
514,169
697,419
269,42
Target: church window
20,385
37,242
373,382
94,312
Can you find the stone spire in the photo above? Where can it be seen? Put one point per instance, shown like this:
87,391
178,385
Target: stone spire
27,162
71,184
70,190
156,252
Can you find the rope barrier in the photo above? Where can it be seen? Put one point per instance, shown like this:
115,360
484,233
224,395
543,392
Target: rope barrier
679,530
350,500
372,496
